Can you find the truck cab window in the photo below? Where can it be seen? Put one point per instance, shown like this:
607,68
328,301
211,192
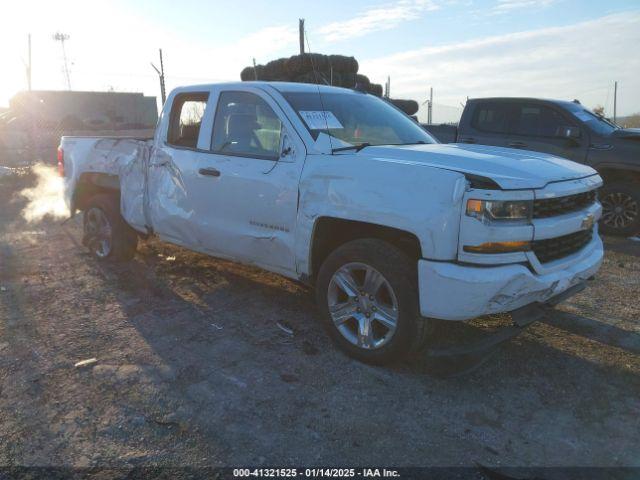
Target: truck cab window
538,121
186,118
245,125
491,118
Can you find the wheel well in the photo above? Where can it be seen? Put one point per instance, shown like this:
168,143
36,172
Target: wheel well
90,184
618,175
329,233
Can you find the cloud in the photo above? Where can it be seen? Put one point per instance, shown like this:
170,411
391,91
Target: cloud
227,60
266,41
507,6
575,61
384,17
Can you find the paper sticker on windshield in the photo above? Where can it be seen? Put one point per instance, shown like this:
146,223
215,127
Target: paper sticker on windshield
320,120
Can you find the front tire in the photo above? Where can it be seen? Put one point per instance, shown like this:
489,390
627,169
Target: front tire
368,297
106,234
620,208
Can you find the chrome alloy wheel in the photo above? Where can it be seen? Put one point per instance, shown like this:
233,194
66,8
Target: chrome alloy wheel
98,232
619,210
362,305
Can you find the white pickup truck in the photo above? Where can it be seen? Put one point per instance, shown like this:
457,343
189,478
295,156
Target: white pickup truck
339,189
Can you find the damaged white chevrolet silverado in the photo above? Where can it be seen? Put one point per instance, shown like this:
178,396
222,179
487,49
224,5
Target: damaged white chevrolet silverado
339,189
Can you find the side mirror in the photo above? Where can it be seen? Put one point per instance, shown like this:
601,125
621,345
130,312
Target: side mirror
286,148
285,151
568,132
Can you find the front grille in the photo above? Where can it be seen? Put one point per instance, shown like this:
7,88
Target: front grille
560,247
551,207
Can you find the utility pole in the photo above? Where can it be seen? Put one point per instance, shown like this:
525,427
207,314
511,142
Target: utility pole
162,90
301,33
29,63
387,88
63,37
161,76
430,107
615,101
255,70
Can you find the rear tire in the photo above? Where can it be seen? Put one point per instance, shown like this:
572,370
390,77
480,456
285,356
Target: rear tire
106,234
367,292
620,208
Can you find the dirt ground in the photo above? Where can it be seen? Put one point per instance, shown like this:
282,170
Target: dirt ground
193,370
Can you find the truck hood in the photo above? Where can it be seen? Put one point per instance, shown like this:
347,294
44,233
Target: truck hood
511,169
627,133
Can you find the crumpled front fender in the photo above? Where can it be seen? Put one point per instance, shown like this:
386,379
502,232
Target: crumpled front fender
452,291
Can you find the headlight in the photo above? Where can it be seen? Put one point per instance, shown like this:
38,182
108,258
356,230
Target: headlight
499,210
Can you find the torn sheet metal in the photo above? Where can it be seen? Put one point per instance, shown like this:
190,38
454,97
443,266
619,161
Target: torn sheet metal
461,292
247,212
170,207
123,158
423,201
134,198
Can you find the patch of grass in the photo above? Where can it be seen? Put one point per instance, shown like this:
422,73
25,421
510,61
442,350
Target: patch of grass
632,121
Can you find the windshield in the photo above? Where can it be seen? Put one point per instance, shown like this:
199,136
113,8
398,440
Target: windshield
596,123
356,119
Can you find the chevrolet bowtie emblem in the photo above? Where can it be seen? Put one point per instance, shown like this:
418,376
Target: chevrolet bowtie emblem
587,222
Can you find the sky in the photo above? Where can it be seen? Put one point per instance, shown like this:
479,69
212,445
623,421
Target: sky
562,49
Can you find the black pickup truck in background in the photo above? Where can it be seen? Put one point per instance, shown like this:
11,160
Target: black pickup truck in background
565,129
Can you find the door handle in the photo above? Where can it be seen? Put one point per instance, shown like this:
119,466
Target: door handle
517,145
468,140
210,172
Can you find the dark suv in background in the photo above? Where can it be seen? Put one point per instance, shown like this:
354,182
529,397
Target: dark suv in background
566,129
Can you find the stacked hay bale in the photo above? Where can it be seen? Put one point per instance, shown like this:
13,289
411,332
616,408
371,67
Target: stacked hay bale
410,107
336,70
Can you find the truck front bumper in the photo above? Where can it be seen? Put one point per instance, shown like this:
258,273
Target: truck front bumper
450,291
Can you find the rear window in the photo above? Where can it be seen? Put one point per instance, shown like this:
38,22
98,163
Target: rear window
186,119
490,117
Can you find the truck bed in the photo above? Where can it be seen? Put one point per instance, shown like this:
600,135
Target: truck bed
123,158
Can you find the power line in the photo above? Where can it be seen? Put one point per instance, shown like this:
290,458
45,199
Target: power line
606,100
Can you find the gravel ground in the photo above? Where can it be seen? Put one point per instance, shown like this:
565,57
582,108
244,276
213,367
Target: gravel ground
192,369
